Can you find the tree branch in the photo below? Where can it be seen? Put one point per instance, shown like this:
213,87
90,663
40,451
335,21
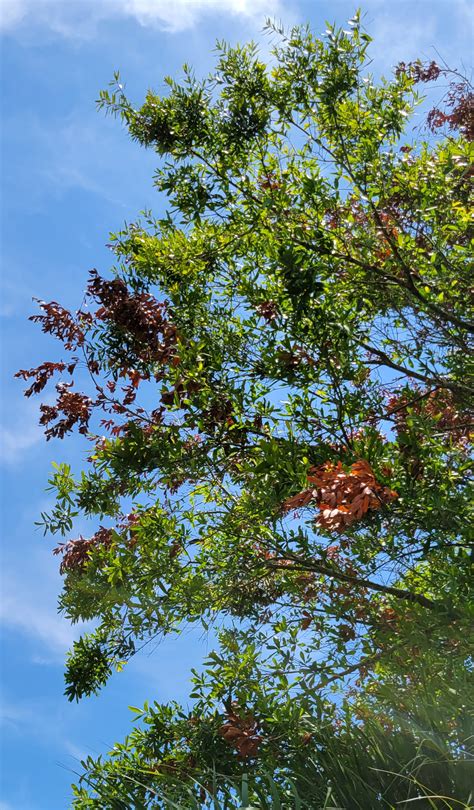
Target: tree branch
320,568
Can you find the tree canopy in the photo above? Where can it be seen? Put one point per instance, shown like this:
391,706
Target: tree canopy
282,368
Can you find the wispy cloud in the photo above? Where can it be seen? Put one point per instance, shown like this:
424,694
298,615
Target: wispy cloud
74,751
72,156
82,152
394,41
33,613
182,14
14,443
19,428
80,18
28,604
406,30
12,12
43,718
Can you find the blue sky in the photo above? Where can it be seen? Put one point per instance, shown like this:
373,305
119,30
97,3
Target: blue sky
69,177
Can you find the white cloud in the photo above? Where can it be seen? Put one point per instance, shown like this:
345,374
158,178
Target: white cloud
29,716
394,41
19,432
30,584
79,18
13,715
32,612
74,751
406,30
73,156
79,151
182,14
12,12
16,441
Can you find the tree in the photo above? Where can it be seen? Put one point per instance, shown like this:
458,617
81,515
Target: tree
282,367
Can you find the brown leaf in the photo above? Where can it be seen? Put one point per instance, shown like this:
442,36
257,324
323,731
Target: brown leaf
299,500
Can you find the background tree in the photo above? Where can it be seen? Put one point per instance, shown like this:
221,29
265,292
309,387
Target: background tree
282,366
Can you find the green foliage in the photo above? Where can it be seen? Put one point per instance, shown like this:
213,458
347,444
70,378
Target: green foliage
312,755
92,660
282,365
